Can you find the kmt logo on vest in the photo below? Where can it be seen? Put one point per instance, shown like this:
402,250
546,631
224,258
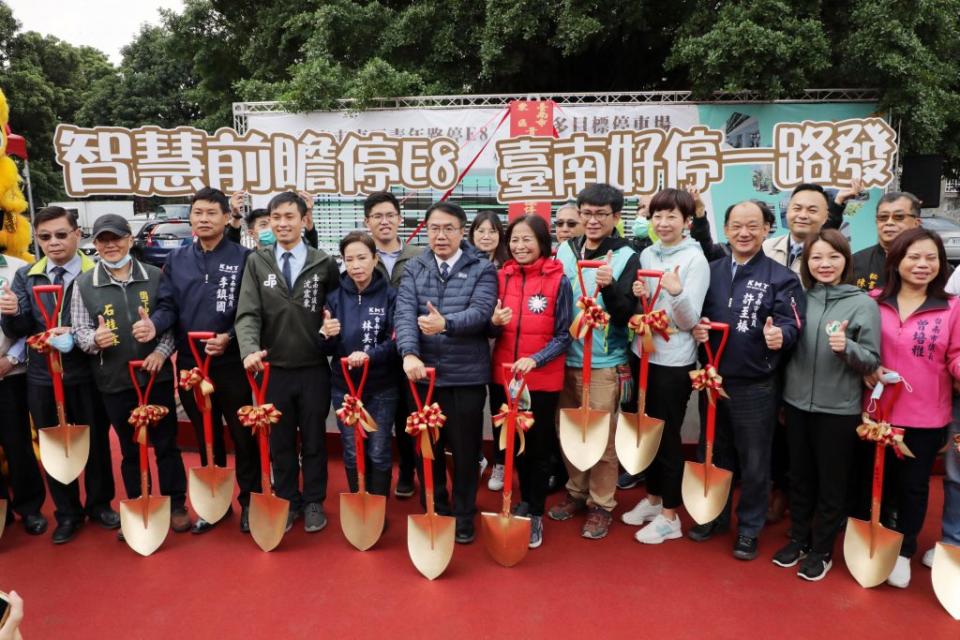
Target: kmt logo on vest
271,280
537,303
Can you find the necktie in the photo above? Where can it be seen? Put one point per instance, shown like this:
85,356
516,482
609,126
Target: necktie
287,271
58,275
795,251
733,270
444,270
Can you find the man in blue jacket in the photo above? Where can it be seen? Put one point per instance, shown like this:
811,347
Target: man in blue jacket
446,298
763,303
198,292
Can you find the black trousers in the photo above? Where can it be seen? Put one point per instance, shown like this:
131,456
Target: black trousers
405,447
534,466
26,483
496,397
302,395
821,457
461,435
231,391
162,437
913,482
83,406
668,392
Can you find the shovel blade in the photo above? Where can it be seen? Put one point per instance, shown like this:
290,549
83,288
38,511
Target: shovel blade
268,519
3,516
870,566
584,434
64,451
145,522
211,490
946,577
361,518
507,538
430,543
637,440
705,490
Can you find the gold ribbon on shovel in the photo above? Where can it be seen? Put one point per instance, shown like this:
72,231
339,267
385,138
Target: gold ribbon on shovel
645,325
191,378
523,423
882,432
590,316
352,412
426,424
144,416
39,342
259,418
708,378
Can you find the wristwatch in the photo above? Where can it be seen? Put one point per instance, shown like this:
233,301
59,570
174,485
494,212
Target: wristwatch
14,360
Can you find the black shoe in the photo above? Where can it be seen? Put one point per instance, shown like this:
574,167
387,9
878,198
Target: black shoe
629,481
465,531
106,518
745,548
521,509
245,520
791,554
703,532
815,566
35,524
404,486
202,526
292,516
65,531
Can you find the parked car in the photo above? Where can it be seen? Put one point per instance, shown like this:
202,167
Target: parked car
949,232
158,238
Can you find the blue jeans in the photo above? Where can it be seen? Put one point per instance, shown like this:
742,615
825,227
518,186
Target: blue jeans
382,406
951,481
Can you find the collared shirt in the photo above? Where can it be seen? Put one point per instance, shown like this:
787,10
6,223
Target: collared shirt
297,260
452,260
389,259
73,268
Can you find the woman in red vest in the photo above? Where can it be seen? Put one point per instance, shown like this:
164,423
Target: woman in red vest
532,321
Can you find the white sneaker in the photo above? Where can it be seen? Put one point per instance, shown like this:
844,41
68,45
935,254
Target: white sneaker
483,465
643,512
496,478
928,557
659,530
900,576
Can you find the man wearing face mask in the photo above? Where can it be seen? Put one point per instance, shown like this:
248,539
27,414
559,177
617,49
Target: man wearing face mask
258,223
58,236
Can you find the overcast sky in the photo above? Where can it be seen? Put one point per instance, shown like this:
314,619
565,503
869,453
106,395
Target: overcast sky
108,25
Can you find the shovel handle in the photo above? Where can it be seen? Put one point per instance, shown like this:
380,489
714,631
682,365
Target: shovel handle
259,398
57,290
193,338
355,391
143,396
588,264
513,406
260,390
358,434
724,329
650,273
432,377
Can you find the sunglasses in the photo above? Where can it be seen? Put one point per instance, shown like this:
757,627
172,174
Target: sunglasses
567,223
59,235
897,217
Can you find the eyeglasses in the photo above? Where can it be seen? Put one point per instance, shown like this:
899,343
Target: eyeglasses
380,217
59,235
896,217
447,230
567,223
734,229
599,216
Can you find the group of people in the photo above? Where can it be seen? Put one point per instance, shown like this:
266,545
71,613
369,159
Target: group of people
812,329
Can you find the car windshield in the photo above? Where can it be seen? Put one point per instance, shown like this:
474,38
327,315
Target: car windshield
179,230
940,224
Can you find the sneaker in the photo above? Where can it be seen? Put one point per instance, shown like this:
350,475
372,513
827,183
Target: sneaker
703,532
536,531
180,520
465,531
404,487
642,513
629,480
927,559
483,465
815,566
314,519
201,526
521,509
659,530
900,576
495,483
745,548
791,554
292,516
568,508
597,525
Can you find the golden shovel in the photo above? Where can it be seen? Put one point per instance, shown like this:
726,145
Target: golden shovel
64,449
638,435
361,514
946,577
144,521
268,513
706,487
429,536
584,432
506,536
210,487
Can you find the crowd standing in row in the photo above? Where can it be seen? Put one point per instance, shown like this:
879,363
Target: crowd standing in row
480,304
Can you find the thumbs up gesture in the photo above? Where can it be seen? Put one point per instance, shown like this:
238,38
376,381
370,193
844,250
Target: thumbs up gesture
331,326
103,336
773,335
605,273
671,281
501,314
432,323
838,338
143,329
8,301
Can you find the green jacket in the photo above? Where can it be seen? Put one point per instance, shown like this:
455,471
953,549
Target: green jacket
819,380
408,252
270,317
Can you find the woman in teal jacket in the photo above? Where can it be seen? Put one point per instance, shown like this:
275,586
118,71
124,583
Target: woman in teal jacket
839,345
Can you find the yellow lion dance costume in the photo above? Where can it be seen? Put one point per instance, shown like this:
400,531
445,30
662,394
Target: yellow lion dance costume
15,233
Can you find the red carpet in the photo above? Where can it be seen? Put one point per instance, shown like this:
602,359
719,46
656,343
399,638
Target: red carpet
220,585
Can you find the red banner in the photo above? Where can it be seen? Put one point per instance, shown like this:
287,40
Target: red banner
531,118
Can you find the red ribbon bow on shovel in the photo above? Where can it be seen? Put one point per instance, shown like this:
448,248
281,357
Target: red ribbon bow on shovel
590,316
191,378
646,324
429,418
708,378
39,342
352,412
523,423
883,433
145,416
259,418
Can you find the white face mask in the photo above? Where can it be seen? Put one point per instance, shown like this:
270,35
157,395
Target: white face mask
119,264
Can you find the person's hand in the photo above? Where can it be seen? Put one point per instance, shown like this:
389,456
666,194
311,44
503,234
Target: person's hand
701,332
10,628
501,315
216,345
331,326
604,273
773,335
236,202
671,281
356,359
700,209
872,379
838,339
5,366
432,323
9,306
254,362
856,186
143,329
640,289
523,366
414,368
153,362
306,197
103,336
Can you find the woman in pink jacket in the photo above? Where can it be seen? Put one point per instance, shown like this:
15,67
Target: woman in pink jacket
920,340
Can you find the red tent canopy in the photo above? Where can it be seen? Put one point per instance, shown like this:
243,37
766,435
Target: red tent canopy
16,145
